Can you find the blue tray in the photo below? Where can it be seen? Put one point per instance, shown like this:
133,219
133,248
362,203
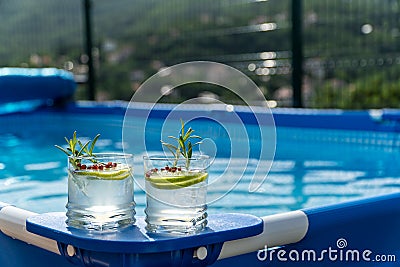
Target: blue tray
135,244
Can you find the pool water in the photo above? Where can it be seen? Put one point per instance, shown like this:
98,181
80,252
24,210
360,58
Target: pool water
312,167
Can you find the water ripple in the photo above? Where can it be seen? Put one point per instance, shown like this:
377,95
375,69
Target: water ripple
42,166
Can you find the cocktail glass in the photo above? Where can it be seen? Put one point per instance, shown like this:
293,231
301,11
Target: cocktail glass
176,192
100,192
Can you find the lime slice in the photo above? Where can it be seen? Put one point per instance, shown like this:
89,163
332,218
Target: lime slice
119,174
178,181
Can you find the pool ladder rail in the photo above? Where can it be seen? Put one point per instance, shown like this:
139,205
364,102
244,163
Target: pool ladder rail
227,235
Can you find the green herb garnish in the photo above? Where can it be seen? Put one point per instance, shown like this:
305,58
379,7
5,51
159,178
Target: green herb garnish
73,152
184,146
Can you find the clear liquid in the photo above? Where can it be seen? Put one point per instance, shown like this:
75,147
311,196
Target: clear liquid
99,204
176,211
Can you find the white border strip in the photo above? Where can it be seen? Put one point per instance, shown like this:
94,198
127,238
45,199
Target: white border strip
280,229
13,224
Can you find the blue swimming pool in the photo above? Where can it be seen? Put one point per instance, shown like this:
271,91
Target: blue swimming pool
323,159
331,196
312,166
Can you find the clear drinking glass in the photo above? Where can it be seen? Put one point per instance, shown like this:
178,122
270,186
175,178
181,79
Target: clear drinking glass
176,194
100,192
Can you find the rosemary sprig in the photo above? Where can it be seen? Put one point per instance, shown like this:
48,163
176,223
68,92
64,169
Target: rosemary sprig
184,146
84,149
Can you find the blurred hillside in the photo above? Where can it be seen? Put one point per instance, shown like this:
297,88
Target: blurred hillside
344,42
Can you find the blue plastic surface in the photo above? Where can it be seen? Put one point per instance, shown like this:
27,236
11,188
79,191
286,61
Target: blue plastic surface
132,246
370,224
19,84
221,228
15,253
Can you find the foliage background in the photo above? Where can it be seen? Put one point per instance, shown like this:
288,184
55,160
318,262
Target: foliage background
351,47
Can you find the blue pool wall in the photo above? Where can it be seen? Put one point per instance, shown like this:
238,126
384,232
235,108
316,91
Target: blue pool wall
366,224
371,120
366,120
387,120
109,118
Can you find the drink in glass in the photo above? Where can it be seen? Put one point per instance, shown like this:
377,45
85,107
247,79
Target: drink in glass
176,192
100,192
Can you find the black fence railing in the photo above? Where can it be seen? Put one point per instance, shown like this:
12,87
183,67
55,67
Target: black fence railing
91,80
351,51
310,53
